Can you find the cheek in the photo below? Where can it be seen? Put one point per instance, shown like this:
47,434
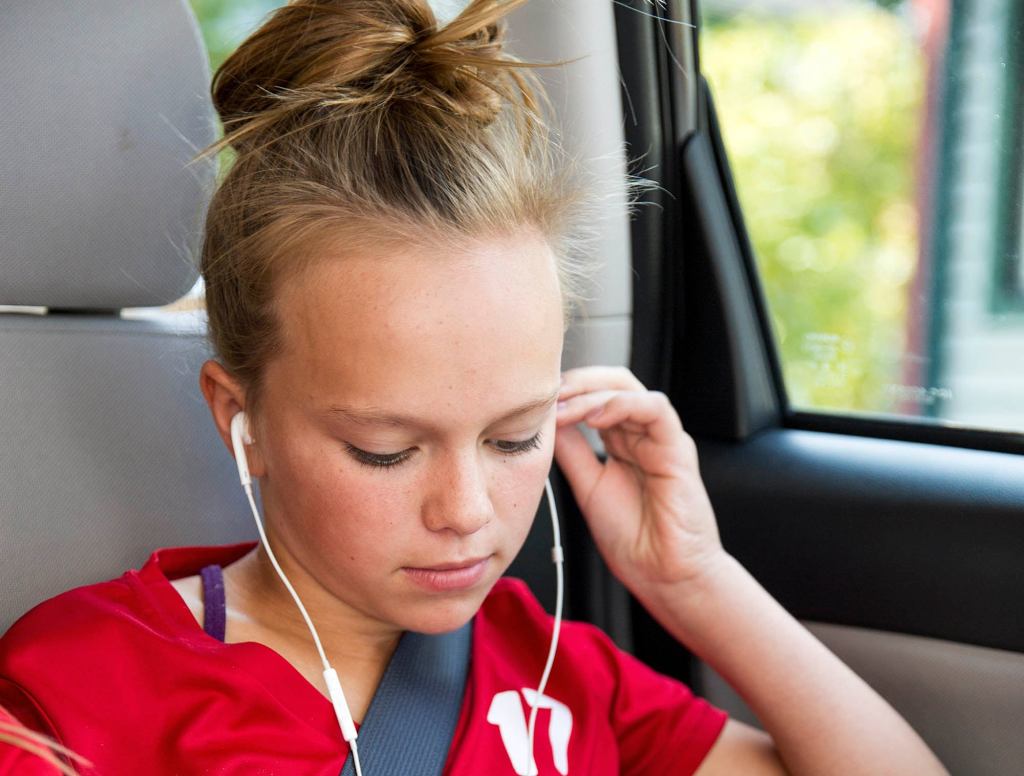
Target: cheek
519,482
336,501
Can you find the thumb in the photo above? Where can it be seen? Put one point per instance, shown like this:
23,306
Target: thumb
578,462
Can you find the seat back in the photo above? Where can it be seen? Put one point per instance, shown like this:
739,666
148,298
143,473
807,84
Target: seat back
108,450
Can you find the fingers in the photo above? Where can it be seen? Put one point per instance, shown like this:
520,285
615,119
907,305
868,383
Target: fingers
595,378
576,408
649,409
586,388
578,463
637,426
648,412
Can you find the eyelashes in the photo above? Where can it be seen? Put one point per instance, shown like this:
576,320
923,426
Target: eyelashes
377,460
389,460
515,448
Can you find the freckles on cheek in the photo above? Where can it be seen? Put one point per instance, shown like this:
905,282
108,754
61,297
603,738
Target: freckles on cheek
361,507
319,490
516,488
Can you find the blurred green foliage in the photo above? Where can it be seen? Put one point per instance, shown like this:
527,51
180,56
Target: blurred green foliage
821,116
225,23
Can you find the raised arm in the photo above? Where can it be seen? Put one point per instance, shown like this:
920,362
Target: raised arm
652,521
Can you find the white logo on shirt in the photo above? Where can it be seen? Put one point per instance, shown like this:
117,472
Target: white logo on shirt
508,714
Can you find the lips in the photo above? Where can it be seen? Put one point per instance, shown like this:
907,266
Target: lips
459,564
448,577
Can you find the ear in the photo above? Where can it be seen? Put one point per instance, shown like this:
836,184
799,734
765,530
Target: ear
226,398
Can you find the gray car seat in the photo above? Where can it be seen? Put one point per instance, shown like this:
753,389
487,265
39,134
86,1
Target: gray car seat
107,447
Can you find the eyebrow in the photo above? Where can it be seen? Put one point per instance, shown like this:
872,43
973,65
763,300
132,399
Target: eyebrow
373,416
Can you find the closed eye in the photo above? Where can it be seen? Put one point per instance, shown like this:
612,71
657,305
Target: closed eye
388,460
515,448
378,460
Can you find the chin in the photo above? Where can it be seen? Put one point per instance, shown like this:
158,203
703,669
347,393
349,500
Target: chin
443,614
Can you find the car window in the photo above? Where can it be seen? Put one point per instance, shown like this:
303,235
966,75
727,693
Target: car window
876,150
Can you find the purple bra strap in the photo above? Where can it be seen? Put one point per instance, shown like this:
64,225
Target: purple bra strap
214,609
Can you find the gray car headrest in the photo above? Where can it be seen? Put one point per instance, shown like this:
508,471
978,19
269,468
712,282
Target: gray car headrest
105,106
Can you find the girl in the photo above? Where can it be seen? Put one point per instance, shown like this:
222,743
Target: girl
388,279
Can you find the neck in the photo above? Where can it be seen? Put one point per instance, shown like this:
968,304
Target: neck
350,638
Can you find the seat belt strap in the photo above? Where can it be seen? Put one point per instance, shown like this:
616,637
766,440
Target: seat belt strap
409,726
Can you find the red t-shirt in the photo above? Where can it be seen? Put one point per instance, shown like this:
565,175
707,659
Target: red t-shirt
121,673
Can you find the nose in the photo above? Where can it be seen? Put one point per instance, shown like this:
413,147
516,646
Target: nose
458,498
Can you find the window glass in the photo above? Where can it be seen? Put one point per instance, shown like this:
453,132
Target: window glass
875,146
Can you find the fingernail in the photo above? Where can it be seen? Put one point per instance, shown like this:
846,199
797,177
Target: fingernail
561,406
593,415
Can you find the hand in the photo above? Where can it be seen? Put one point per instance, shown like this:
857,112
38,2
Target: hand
646,506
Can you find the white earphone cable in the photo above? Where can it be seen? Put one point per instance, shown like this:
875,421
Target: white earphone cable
284,579
558,556
334,688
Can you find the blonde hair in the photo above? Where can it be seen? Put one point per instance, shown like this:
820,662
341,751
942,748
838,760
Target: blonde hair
39,745
366,119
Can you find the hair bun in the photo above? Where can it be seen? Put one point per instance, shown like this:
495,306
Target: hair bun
312,61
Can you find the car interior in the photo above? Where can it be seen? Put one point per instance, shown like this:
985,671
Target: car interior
899,545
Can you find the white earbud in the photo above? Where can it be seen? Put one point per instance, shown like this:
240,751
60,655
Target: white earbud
240,437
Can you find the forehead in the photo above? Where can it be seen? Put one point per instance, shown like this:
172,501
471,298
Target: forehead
423,326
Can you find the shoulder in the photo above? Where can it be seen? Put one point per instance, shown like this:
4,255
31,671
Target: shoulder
45,652
646,721
512,611
67,618
511,604
513,628
87,626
